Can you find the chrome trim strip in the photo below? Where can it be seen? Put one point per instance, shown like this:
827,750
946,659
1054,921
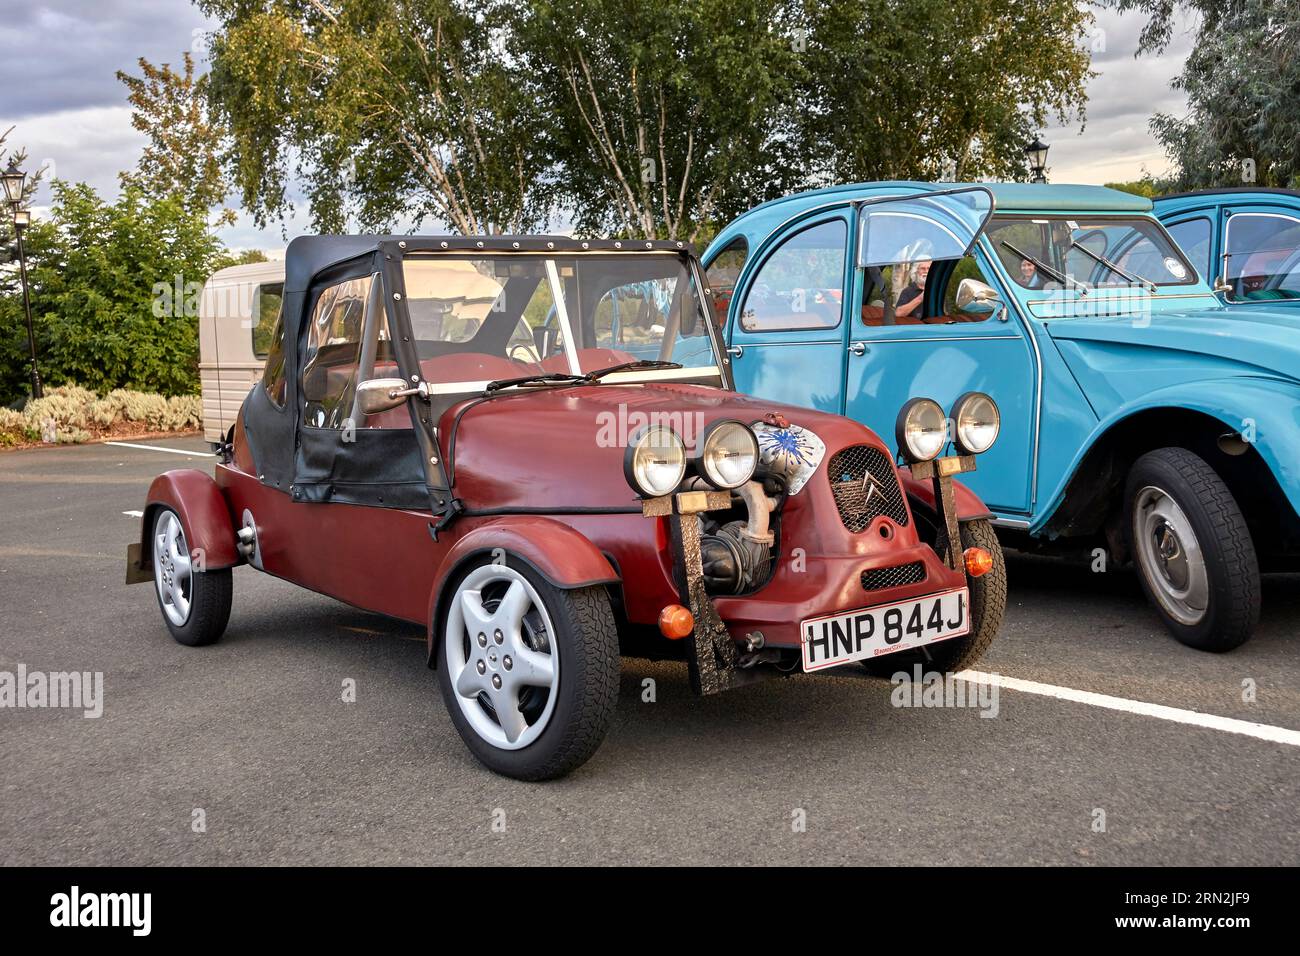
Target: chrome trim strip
1016,523
1102,300
941,338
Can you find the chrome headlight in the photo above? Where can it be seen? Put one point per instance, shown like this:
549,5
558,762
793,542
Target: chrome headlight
728,454
976,422
655,461
921,430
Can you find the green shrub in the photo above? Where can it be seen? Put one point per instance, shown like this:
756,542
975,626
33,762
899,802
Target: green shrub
77,412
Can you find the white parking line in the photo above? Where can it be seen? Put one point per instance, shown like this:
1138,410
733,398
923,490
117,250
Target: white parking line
173,451
134,514
1277,735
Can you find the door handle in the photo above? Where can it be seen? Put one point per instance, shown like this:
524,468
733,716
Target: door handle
735,351
859,348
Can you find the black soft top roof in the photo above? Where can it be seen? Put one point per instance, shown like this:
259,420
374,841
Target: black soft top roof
309,255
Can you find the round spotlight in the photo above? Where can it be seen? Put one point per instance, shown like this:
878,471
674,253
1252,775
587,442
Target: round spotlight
976,422
728,454
655,462
921,430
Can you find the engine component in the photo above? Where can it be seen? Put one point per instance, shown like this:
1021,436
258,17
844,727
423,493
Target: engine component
737,555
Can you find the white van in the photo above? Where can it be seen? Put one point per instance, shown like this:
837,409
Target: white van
237,315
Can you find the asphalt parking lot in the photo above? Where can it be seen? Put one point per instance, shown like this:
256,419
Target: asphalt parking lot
251,737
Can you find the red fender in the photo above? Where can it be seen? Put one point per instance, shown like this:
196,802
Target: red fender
559,553
204,515
969,505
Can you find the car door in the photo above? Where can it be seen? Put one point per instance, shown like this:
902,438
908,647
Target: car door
908,337
787,337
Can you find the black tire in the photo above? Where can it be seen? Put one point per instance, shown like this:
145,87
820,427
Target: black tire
586,638
1228,553
210,595
988,604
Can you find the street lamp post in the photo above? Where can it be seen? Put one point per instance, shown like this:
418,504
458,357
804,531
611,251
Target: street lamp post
1036,153
14,180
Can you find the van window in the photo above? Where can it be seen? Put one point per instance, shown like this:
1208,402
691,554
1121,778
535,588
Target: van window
273,372
801,284
266,313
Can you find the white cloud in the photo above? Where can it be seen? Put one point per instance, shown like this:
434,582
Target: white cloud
82,145
1116,143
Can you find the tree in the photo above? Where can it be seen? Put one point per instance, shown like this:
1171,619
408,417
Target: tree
1241,79
1146,186
642,119
928,89
182,156
97,270
664,117
384,109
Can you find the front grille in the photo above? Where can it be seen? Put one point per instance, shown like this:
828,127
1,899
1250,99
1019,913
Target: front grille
865,486
877,579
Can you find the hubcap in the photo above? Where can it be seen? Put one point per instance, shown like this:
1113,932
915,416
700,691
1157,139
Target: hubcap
171,569
501,657
1170,556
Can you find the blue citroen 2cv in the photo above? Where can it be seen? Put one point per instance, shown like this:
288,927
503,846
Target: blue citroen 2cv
1138,414
1244,241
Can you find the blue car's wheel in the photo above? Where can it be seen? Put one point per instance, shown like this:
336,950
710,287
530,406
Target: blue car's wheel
1192,549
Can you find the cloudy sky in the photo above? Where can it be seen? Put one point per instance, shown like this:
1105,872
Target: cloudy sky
57,86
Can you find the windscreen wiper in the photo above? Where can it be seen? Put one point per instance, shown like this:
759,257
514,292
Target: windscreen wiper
629,366
1097,257
547,378
1051,273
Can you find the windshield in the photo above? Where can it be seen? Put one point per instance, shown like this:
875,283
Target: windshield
486,318
1060,252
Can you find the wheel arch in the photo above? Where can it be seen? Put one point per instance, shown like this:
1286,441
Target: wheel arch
1091,500
558,553
203,512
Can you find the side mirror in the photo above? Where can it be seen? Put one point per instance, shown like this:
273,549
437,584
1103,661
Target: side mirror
380,394
972,294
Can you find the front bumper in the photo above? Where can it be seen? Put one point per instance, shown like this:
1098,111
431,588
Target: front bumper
823,584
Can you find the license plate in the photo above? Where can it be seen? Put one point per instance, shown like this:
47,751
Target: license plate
876,631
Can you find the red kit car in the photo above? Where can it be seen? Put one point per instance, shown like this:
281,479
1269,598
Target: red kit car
532,446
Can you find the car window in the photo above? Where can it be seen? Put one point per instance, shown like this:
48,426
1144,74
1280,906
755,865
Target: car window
801,284
966,268
900,294
273,371
489,318
1193,237
344,315
1263,257
723,273
633,315
265,314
